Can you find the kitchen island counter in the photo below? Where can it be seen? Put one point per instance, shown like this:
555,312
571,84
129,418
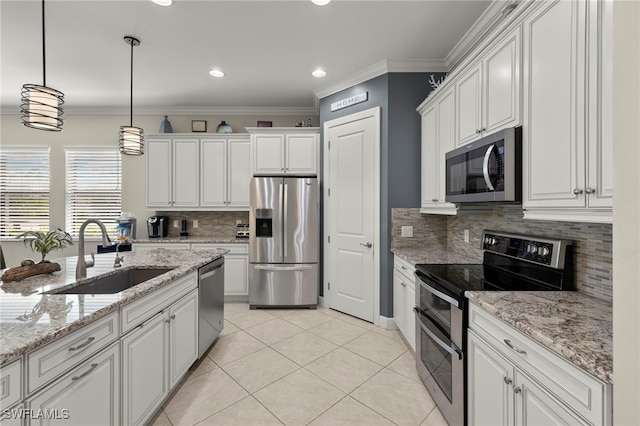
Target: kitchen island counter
30,318
192,240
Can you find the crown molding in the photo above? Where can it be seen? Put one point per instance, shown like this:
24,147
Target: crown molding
380,68
191,111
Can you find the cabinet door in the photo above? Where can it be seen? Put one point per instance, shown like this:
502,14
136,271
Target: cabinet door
489,385
429,157
268,154
88,395
158,158
399,309
239,173
501,97
213,170
446,140
186,172
236,275
554,150
410,320
535,406
183,336
301,154
469,90
144,370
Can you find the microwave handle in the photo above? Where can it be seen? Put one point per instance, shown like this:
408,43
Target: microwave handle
485,167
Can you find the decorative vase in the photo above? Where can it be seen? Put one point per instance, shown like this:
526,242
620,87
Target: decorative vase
165,126
223,127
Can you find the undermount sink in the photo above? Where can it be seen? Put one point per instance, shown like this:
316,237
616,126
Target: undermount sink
114,283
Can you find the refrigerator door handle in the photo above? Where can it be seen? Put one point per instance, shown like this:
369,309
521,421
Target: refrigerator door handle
280,196
283,268
286,222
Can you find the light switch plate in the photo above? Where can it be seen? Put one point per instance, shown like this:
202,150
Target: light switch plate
407,231
466,235
175,224
195,223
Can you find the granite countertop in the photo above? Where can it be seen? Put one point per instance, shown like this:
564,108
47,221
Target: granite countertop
30,319
416,255
204,240
577,327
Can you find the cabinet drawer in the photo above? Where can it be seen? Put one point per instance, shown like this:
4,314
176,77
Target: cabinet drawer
581,391
139,311
239,248
11,383
46,363
404,267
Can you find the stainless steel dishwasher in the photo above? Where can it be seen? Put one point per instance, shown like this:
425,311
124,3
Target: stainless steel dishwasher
211,295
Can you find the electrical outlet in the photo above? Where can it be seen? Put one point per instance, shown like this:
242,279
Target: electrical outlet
466,235
195,223
407,231
238,221
176,224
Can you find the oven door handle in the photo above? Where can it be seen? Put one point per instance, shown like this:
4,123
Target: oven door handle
450,349
485,168
438,293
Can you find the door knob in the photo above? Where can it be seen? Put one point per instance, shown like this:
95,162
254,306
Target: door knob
367,245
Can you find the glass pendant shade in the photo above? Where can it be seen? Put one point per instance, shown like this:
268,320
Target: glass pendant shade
131,140
41,107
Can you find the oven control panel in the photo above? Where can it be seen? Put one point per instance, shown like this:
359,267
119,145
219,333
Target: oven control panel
533,249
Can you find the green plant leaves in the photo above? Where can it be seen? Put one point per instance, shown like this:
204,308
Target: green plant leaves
42,243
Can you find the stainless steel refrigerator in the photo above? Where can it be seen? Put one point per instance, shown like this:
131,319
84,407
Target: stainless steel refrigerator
283,242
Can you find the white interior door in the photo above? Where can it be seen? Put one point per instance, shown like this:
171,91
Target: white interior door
352,209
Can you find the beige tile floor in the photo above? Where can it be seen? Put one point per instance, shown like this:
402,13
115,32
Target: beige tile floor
302,367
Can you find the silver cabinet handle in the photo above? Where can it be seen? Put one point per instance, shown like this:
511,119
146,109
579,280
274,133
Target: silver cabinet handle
577,191
173,316
508,381
513,348
485,167
589,190
93,367
83,345
404,267
517,390
367,245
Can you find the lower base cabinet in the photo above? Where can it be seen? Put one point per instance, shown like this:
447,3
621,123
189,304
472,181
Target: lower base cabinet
87,395
155,357
404,299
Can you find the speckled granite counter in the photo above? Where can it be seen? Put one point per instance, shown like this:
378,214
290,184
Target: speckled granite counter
420,255
29,318
575,326
203,240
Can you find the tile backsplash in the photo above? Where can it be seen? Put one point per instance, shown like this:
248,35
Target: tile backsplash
210,224
592,241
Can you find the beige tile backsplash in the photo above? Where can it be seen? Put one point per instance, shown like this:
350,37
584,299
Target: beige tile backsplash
592,242
210,224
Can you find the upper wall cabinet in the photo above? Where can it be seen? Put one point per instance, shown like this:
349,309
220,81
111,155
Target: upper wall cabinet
284,150
488,93
567,155
210,172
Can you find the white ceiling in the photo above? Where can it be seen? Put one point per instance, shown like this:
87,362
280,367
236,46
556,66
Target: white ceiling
266,48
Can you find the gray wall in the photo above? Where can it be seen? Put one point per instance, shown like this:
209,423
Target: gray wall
397,95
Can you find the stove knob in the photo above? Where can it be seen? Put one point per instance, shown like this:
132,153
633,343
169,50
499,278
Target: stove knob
531,248
545,251
493,241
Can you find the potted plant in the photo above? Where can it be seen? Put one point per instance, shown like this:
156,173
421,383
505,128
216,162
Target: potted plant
56,239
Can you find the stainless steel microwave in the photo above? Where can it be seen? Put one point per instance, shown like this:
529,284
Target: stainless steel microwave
487,170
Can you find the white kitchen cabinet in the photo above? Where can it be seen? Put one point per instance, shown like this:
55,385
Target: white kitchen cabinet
10,387
87,395
224,163
437,121
166,246
567,151
172,172
236,269
156,355
514,380
488,93
284,151
404,296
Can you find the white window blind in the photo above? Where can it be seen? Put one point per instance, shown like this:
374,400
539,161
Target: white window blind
24,190
93,188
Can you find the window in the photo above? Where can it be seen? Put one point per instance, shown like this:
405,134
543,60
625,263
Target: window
24,190
93,188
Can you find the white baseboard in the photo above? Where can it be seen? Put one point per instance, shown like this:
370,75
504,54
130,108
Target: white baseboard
387,323
321,302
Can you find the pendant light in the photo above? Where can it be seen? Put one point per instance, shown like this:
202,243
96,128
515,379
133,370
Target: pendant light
131,138
41,105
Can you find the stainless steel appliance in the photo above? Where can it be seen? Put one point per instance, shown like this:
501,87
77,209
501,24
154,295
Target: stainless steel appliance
487,170
158,226
511,262
210,303
283,242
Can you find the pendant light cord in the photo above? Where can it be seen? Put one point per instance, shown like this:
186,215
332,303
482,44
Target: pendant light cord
131,110
44,62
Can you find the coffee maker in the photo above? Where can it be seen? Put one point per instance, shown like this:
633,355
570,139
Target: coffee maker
158,226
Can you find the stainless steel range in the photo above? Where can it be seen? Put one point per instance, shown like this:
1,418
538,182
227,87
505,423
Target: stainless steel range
511,262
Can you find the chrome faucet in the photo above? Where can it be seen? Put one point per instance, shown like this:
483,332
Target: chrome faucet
119,259
81,267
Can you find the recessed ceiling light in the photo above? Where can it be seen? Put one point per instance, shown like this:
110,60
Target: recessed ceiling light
321,2
163,2
319,73
216,73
